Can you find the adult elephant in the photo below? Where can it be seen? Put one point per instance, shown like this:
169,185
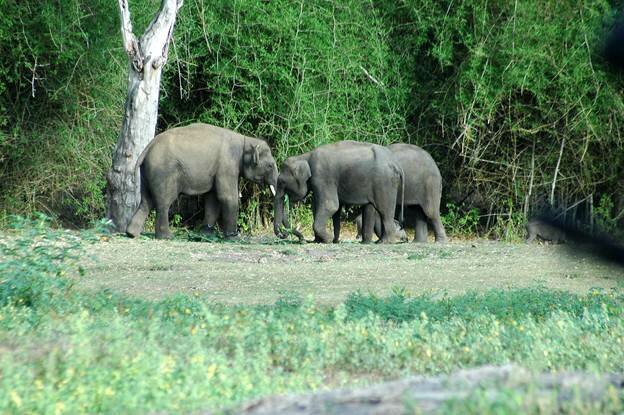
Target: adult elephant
423,191
200,159
342,173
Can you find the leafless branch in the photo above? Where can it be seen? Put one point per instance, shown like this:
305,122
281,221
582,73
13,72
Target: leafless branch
554,182
131,44
371,76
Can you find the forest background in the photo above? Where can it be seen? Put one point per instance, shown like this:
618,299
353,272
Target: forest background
514,99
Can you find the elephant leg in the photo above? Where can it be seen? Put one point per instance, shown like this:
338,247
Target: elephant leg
368,223
358,225
212,210
325,207
378,225
164,194
431,209
336,225
229,207
389,230
421,230
162,218
227,195
438,229
138,220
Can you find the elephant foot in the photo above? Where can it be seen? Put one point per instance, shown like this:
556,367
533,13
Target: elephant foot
441,239
395,239
367,241
231,236
320,240
132,233
208,230
164,235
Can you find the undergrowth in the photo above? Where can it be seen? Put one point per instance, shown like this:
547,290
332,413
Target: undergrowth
66,351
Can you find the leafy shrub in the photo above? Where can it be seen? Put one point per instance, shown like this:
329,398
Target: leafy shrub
458,223
503,305
112,354
492,106
36,262
603,214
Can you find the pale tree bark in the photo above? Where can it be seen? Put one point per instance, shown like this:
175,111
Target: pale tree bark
147,56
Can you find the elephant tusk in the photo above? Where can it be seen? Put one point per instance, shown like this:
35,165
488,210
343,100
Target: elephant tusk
272,189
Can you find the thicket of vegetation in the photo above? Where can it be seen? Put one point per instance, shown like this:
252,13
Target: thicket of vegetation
66,351
513,99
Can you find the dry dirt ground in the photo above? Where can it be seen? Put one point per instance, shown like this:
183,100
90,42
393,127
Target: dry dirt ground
259,270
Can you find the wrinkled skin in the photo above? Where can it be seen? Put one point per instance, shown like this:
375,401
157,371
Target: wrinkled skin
377,227
423,190
200,159
545,231
339,174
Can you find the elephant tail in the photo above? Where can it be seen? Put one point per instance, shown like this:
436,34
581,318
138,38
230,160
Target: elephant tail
401,173
144,153
145,192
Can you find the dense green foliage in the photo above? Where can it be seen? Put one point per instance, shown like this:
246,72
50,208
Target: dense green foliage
491,88
65,351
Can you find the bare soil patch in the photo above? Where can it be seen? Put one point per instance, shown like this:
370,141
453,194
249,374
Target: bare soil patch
259,270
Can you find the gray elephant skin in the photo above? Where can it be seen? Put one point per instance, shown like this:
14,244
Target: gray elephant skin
537,228
377,227
338,174
423,191
200,159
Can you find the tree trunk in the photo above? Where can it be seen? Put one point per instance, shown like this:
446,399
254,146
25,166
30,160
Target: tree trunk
147,57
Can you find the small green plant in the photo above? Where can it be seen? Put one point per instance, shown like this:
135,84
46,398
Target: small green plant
417,256
603,214
460,223
35,261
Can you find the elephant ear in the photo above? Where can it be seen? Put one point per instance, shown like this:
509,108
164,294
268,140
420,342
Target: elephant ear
302,172
255,155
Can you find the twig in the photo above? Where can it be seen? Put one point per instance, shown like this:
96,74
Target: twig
554,182
371,76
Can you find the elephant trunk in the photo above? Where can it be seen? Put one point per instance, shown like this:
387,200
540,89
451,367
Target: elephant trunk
281,216
278,206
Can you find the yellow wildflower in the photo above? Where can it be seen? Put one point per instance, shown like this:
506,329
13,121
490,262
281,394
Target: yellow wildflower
211,370
16,399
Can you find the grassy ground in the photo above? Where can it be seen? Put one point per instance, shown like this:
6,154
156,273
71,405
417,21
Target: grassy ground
68,350
257,270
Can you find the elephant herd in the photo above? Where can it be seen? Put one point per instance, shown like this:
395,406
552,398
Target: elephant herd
202,159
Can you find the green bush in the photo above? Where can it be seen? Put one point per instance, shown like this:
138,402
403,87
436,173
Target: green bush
504,305
491,88
458,223
110,354
35,258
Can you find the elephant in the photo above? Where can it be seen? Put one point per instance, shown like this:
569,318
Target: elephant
337,174
423,190
200,159
545,231
377,227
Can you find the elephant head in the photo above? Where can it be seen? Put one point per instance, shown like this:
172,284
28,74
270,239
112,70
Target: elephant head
258,164
292,181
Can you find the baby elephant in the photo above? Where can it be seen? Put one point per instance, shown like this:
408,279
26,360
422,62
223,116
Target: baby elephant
545,231
401,231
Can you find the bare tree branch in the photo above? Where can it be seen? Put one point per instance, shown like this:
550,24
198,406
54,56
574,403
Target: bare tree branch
131,45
